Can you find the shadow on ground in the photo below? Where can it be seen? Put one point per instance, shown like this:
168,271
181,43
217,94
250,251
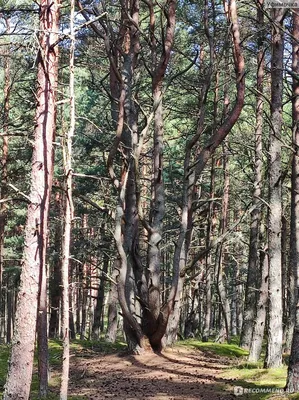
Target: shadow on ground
177,374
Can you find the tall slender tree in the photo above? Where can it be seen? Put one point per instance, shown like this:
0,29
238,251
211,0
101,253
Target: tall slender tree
21,360
292,384
253,259
68,215
275,331
4,166
192,173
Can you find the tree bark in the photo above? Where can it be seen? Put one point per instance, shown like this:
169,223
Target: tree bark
253,261
21,360
292,384
98,311
4,173
220,256
274,348
55,275
112,308
68,216
260,319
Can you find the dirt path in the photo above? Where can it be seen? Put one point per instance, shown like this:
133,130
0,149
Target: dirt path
175,375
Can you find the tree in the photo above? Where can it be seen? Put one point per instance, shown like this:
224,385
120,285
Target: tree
192,171
253,256
68,215
4,160
292,384
21,361
274,347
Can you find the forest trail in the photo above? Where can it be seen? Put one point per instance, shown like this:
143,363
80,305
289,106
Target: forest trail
177,374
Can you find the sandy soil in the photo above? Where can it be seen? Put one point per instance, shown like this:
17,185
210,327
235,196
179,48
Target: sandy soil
177,374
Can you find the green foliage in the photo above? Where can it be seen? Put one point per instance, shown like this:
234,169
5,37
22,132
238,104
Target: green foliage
219,349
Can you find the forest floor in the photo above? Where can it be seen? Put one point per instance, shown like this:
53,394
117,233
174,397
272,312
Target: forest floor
191,370
179,373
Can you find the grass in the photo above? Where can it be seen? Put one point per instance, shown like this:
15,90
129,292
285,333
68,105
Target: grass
263,383
4,354
251,376
78,348
220,349
238,373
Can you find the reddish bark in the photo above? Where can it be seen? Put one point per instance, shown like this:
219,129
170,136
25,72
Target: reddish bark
21,361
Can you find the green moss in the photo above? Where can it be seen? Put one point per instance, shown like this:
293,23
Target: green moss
4,354
220,349
99,346
252,376
245,374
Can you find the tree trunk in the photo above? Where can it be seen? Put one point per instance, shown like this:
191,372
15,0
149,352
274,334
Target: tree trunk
253,262
220,256
9,309
292,384
234,300
260,319
68,216
98,311
42,327
112,308
21,360
210,233
275,331
4,174
284,281
55,275
188,198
